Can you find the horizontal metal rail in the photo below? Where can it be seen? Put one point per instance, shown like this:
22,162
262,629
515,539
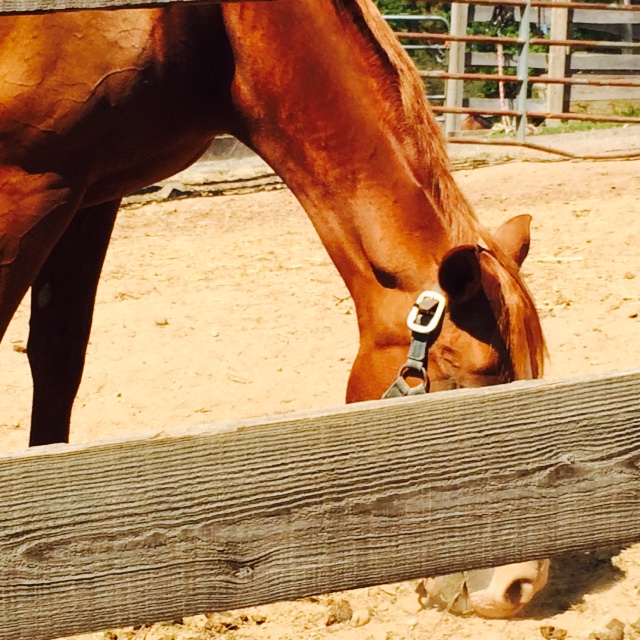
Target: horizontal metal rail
423,47
446,37
416,18
605,44
491,77
554,5
537,114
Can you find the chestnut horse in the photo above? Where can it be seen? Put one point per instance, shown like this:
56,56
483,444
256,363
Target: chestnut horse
95,105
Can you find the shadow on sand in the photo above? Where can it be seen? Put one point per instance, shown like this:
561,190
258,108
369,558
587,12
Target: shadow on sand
571,577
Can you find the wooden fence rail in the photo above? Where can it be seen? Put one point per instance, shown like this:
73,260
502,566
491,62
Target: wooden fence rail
129,531
47,6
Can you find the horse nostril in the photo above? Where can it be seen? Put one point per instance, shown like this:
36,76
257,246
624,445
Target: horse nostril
519,592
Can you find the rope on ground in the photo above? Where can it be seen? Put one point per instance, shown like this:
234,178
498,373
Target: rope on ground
634,155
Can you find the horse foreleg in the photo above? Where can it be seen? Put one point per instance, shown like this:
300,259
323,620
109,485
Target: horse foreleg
34,211
62,302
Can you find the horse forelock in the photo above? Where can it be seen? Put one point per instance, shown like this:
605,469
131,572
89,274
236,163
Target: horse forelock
519,322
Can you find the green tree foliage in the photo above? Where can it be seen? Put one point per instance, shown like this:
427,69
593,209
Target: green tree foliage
395,7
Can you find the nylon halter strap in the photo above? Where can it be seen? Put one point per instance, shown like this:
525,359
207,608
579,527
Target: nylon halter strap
425,322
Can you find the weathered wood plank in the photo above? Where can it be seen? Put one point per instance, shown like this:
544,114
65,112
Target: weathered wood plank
454,88
486,59
558,94
494,103
582,17
47,6
585,93
124,532
579,61
605,62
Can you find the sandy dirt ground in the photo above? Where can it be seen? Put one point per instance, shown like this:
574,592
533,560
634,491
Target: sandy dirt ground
227,307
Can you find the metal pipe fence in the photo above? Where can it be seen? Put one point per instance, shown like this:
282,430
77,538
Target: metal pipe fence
545,42
540,79
539,114
560,47
535,4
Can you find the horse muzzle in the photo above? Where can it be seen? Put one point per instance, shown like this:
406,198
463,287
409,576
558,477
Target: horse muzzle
492,593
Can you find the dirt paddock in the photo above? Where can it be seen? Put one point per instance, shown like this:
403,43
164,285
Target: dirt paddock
220,308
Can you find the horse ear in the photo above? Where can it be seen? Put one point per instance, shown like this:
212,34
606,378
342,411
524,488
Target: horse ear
460,275
514,238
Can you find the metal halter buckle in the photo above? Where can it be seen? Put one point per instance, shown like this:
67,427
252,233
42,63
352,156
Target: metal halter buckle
431,310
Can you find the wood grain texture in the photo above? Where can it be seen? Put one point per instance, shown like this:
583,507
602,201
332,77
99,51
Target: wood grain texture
131,531
454,88
558,95
578,61
583,17
47,6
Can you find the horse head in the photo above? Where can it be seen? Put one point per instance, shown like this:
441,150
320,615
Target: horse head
490,334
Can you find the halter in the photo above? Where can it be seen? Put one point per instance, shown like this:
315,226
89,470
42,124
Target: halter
425,321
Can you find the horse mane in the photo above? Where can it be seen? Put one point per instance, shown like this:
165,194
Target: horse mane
424,145
417,132
519,322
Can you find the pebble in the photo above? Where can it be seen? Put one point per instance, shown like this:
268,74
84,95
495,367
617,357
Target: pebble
409,604
161,321
360,617
613,631
173,190
340,611
553,633
196,621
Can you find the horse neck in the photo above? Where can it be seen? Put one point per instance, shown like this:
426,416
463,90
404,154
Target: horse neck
326,95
